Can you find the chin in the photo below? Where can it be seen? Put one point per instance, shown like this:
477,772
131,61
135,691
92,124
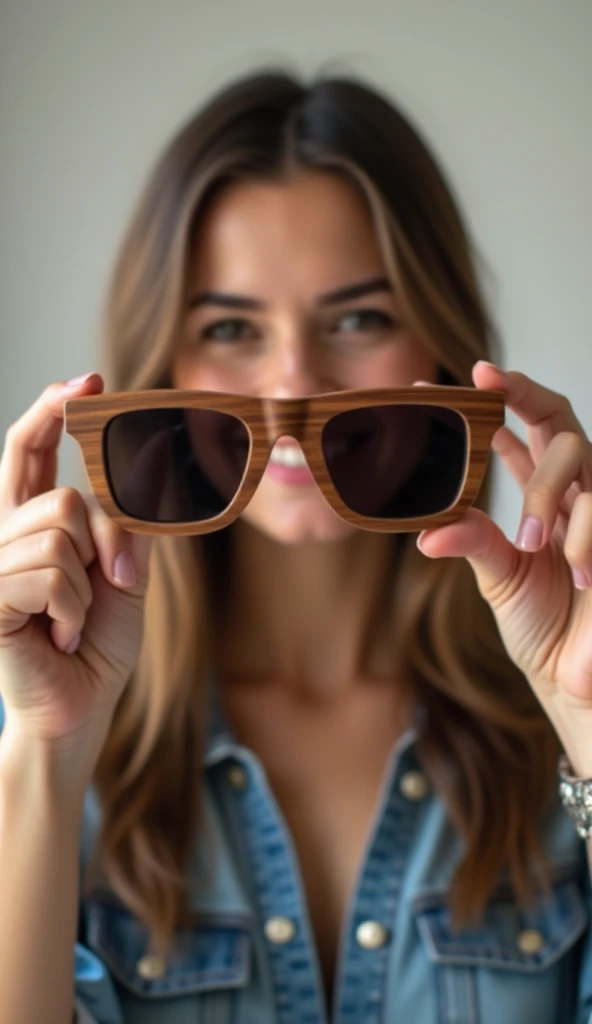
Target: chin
308,522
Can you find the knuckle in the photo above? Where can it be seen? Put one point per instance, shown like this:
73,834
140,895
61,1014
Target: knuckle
56,581
571,443
55,544
66,502
87,594
538,496
565,404
48,396
12,434
573,553
67,506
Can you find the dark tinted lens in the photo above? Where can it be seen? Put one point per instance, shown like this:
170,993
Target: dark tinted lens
175,465
396,461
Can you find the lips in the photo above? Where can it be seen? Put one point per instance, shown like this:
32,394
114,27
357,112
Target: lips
287,461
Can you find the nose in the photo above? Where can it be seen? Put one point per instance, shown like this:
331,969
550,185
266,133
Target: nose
296,370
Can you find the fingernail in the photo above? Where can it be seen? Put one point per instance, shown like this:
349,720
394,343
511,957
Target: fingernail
74,644
494,367
530,534
123,569
580,579
419,542
76,381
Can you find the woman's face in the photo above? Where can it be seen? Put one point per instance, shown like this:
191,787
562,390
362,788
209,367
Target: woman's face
263,320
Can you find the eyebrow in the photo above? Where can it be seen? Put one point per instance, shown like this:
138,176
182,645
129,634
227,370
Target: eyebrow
352,291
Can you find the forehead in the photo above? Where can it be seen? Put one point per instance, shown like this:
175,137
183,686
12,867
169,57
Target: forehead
313,231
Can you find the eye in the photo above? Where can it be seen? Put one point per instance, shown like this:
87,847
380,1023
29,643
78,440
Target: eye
231,329
364,320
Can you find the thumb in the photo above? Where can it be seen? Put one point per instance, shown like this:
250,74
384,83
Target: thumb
140,546
476,537
123,556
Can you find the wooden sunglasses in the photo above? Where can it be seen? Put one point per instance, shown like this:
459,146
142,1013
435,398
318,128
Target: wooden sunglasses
468,416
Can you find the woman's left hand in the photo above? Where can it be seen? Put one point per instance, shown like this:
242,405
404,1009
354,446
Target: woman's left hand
539,587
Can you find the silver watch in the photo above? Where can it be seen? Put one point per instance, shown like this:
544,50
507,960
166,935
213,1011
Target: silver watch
576,797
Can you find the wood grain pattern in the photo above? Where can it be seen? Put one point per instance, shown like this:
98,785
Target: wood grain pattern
267,419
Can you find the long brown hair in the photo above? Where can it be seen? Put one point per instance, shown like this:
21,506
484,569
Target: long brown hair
486,743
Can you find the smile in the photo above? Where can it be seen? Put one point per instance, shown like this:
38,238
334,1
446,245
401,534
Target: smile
292,455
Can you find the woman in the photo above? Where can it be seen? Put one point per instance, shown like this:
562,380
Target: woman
309,771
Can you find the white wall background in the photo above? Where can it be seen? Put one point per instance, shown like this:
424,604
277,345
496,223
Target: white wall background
90,91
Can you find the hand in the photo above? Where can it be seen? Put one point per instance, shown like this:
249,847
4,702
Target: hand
57,554
539,586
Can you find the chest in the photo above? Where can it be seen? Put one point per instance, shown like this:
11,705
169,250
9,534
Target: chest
325,765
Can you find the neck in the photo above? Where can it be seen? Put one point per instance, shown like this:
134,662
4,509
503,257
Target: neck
311,617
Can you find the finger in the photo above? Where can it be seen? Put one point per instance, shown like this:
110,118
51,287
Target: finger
45,550
63,508
514,453
93,534
578,540
478,539
29,461
545,492
545,412
37,591
123,556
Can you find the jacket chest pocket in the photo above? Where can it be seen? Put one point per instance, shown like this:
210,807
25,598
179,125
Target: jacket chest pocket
514,966
201,980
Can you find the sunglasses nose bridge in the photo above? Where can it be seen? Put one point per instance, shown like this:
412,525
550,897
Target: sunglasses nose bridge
285,416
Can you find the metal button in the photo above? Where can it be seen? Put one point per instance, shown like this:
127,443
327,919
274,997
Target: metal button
371,935
414,785
280,930
151,967
237,777
530,941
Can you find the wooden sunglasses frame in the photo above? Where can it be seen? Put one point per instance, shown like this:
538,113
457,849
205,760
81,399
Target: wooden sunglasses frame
266,420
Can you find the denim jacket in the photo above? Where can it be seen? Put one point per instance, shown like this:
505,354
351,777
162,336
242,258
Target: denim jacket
249,956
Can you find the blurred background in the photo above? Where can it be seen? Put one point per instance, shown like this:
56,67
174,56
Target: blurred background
90,92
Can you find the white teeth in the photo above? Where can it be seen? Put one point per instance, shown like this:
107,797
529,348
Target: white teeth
292,455
288,456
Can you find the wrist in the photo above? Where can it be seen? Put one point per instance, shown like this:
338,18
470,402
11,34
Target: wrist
61,771
573,726
579,756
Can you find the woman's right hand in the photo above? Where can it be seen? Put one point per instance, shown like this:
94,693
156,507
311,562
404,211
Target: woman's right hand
57,555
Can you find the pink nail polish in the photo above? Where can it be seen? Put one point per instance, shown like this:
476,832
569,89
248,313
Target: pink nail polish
530,534
77,381
493,366
580,579
123,569
74,644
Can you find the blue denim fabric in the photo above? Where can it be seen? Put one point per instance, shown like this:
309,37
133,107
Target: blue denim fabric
224,969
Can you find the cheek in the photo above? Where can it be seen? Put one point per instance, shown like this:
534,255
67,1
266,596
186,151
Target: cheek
198,375
397,365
